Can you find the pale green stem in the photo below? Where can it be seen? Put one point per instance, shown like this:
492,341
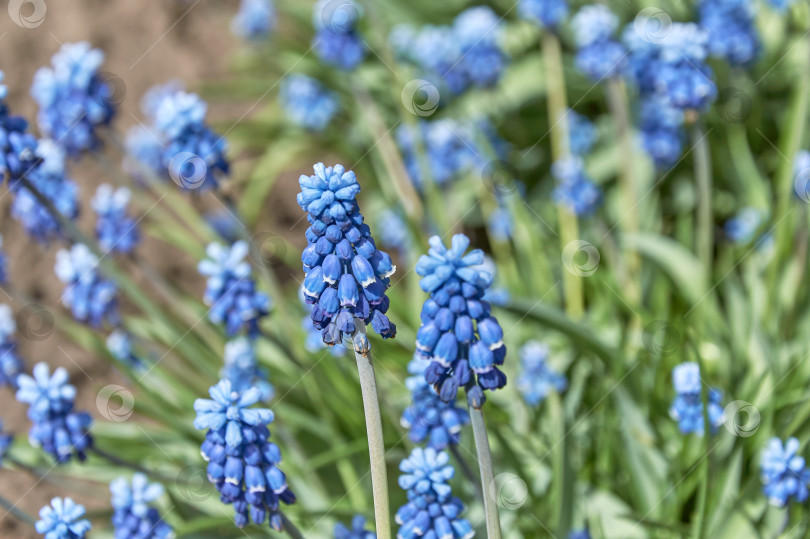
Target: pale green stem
291,528
487,478
19,514
703,493
704,230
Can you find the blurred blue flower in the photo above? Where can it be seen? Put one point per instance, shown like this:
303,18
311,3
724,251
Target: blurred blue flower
574,189
306,101
133,517
115,230
56,428
119,344
801,175
346,275
74,98
781,6
62,519
731,30
5,442
242,462
242,369
3,264
91,298
662,131
581,133
783,472
225,223
337,40
537,379
17,146
358,530
11,365
393,230
460,337
599,55
500,224
254,20
144,153
580,534
687,409
742,227
547,13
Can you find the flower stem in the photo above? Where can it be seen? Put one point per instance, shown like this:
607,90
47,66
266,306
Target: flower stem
11,509
704,233
466,470
291,529
487,479
118,461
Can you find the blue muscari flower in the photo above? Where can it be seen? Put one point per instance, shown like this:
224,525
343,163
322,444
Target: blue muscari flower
91,298
3,264
74,98
500,224
242,462
133,517
346,275
458,334
599,55
11,365
581,133
313,341
662,131
119,344
580,534
62,519
230,291
144,152
242,369
428,416
783,472
306,102
742,227
547,13
431,511
801,175
17,146
477,31
687,409
115,230
393,230
50,179
5,442
358,530
574,189
57,428
337,40
731,30
537,379
225,224
781,6
254,20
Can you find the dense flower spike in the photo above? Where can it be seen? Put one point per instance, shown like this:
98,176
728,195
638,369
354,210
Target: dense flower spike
306,102
254,20
242,370
337,40
62,519
231,291
91,298
662,131
429,417
731,30
431,512
783,472
581,133
56,428
346,275
74,97
500,224
5,442
536,379
115,230
133,517
242,462
10,363
17,146
801,175
687,409
781,6
119,343
547,13
574,189
599,55
358,530
459,335
743,227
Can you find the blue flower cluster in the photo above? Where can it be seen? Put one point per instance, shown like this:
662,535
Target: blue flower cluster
254,20
687,409
546,13
346,275
575,191
11,364
780,6
731,29
306,102
460,337
337,40
662,131
599,56
115,230
784,472
62,519
500,224
3,264
393,230
119,344
581,133
56,428
242,462
144,153
90,297
428,416
456,57
742,227
537,379
230,291
5,442
17,146
431,511
74,98
358,530
242,370
133,517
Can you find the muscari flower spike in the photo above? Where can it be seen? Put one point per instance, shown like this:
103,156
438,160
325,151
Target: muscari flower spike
687,409
346,275
574,189
731,31
62,519
5,442
743,226
537,379
358,530
662,132
546,13
500,224
17,146
115,230
57,428
133,517
337,40
11,364
230,291
74,98
255,19
307,102
3,264
581,133
119,344
460,337
242,462
242,370
431,511
784,473
599,55
91,298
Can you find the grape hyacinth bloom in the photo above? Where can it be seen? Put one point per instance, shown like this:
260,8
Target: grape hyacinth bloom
5,442
74,98
358,530
801,175
346,275
91,298
742,227
574,190
393,230
57,428
459,336
337,40
580,534
242,462
537,379
3,264
144,153
687,409
230,291
431,511
11,364
662,132
784,473
599,55
780,6
477,31
731,31
255,19
17,146
581,133
115,230
546,13
500,224
119,344
242,370
306,102
133,517
428,417
62,519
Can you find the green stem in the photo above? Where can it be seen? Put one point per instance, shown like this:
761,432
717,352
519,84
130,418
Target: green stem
118,461
466,470
12,510
291,529
704,230
487,478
